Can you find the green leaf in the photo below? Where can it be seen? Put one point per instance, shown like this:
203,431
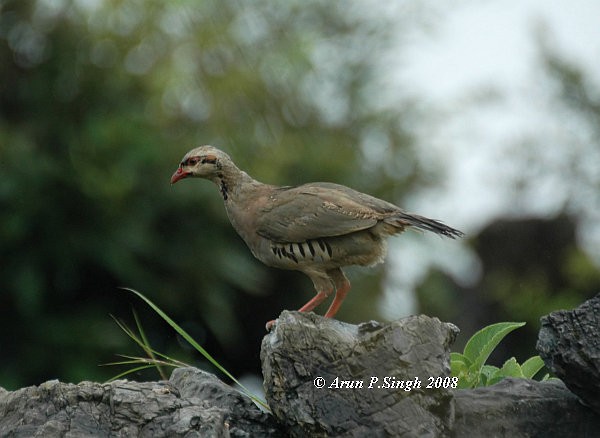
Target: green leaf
495,379
460,358
466,381
532,366
459,367
486,374
511,368
482,343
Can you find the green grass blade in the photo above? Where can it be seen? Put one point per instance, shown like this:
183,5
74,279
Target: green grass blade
146,346
131,360
130,371
129,333
197,346
184,335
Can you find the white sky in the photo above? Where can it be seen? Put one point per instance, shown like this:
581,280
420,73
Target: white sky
476,43
476,71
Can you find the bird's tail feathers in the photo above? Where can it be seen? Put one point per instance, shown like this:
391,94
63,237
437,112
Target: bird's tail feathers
423,223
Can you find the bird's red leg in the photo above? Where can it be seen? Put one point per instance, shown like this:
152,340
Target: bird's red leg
340,294
315,301
342,286
310,305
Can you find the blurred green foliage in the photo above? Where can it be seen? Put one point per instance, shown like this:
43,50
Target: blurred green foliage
529,268
99,101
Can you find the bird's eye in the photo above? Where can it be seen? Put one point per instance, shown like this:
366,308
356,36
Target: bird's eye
209,159
192,161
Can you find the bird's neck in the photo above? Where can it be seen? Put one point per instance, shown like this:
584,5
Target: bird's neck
231,182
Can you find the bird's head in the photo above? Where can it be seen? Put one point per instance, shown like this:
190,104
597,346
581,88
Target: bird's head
202,162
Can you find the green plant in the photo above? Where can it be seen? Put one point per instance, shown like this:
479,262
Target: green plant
470,367
159,360
152,356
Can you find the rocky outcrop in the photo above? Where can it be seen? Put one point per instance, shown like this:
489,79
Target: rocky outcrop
192,403
304,347
569,344
327,378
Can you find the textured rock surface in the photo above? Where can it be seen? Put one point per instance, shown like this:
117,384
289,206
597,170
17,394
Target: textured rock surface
522,408
569,343
304,347
191,404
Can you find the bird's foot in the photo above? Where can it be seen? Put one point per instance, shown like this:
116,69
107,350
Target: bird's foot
270,324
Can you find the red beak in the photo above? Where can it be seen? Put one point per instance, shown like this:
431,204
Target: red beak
179,174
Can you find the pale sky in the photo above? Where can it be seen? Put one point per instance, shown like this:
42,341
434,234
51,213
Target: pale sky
476,71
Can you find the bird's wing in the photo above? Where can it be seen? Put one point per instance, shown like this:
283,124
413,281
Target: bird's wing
317,210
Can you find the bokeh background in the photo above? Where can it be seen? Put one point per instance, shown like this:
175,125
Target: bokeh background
483,114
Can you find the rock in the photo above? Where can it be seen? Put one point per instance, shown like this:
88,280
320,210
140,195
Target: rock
569,344
305,351
305,347
327,378
191,404
522,408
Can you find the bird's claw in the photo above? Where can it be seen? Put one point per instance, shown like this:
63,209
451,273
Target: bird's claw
270,324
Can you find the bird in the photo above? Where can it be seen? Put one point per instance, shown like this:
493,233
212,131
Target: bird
316,228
